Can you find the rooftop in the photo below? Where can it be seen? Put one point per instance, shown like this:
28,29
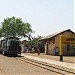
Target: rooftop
55,34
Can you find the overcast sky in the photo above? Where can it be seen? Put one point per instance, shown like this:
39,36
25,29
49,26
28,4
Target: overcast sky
45,16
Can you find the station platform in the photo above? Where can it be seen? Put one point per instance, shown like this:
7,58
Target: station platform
49,61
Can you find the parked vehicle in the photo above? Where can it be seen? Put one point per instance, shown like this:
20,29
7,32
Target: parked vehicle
11,46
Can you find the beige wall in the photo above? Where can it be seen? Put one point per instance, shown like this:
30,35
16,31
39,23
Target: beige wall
51,46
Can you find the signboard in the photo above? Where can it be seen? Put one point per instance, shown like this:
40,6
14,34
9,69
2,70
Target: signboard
65,40
68,40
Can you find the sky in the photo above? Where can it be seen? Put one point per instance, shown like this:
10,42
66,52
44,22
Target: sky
45,16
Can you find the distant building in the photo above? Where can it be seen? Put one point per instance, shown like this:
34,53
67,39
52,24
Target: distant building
52,43
24,43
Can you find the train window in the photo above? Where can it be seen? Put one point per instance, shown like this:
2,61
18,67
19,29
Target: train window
3,44
8,43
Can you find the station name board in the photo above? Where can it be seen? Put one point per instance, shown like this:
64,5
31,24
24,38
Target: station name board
70,39
65,40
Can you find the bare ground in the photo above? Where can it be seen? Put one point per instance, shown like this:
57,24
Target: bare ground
12,66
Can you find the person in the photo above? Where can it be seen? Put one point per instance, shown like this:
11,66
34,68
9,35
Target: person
29,48
38,51
33,50
25,49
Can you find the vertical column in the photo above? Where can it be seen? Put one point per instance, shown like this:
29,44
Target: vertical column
45,48
61,48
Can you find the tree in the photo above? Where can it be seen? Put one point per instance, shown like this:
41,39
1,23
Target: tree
0,32
35,42
15,27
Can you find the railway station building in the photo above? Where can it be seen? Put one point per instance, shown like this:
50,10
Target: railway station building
52,43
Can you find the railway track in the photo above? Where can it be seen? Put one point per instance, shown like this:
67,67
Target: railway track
57,69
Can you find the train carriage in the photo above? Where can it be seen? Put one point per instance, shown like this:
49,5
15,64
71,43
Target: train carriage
11,46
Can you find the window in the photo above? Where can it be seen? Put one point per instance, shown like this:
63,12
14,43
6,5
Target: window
68,47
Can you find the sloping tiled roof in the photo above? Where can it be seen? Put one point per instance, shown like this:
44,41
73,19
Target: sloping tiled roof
55,34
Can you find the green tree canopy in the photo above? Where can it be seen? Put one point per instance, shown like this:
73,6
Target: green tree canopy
15,27
0,32
35,42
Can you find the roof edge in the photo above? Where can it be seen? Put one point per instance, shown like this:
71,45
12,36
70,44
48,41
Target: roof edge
52,35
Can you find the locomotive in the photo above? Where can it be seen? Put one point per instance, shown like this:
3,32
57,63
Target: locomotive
11,46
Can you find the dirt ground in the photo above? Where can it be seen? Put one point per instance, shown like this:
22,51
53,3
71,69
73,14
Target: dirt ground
13,66
69,59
